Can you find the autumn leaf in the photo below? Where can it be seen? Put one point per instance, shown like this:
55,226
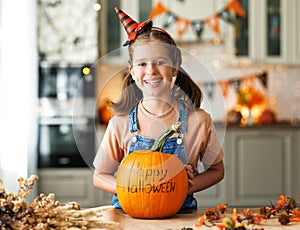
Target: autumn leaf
295,216
222,208
281,202
201,221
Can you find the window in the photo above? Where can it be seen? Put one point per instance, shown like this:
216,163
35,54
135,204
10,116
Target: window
273,28
242,32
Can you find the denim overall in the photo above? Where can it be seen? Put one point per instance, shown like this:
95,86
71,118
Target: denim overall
173,145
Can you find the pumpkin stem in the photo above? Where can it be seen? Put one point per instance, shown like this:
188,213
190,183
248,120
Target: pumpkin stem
162,138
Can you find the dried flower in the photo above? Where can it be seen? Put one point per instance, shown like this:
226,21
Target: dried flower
284,218
45,212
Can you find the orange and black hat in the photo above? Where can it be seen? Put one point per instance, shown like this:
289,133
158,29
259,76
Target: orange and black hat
132,28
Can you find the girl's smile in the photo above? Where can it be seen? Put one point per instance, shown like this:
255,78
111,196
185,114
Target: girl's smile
153,83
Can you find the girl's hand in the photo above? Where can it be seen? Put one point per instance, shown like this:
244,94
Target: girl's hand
190,173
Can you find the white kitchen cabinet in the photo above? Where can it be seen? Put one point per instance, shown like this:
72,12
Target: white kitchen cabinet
259,163
259,31
72,184
212,196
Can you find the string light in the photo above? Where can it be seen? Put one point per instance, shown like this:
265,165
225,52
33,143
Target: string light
86,70
97,7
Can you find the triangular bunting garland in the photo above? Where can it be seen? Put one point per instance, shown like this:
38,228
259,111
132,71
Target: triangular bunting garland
182,24
232,8
158,9
169,20
213,23
235,6
236,83
198,27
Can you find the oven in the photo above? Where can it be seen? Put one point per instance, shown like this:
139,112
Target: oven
66,142
66,133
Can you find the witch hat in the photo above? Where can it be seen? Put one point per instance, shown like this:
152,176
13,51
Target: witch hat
132,28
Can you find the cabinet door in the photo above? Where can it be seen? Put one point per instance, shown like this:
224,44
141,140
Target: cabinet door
72,184
212,196
260,165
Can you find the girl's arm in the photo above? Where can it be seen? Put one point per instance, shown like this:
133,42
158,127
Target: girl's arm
105,181
206,179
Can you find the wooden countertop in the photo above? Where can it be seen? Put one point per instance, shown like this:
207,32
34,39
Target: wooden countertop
180,221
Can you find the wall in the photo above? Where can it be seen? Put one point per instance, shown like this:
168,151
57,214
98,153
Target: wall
18,91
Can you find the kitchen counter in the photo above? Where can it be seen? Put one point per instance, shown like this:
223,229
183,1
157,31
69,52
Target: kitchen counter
277,125
180,221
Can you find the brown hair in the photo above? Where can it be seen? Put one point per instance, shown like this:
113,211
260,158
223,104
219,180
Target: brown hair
185,88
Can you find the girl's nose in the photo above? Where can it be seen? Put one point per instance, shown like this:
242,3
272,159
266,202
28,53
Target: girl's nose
151,68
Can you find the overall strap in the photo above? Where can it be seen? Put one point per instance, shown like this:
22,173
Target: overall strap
182,117
133,123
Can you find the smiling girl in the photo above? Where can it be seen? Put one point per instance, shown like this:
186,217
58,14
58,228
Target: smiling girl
156,93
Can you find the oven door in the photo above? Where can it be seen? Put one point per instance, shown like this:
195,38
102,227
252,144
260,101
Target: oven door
57,146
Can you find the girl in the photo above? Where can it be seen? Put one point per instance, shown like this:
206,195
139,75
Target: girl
156,93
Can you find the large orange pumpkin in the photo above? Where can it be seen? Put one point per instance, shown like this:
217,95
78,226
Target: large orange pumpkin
152,184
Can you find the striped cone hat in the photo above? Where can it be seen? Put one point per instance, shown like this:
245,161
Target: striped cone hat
132,28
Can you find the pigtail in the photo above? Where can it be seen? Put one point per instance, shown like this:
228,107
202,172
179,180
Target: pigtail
129,97
190,88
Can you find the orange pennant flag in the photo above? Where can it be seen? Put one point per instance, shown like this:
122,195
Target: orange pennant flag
213,23
248,80
235,5
182,24
224,85
158,9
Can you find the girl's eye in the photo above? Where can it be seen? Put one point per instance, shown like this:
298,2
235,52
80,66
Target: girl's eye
160,62
142,64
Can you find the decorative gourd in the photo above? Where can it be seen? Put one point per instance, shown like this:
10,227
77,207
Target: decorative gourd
152,184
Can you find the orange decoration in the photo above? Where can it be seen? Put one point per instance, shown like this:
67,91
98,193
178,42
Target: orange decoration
201,221
281,202
182,25
295,216
248,80
236,6
224,85
250,97
158,9
213,23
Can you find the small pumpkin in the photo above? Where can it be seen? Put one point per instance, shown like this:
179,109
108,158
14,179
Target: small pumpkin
150,183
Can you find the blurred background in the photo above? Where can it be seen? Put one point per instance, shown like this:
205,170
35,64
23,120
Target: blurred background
62,64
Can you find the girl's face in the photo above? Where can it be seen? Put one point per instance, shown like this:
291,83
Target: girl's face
152,69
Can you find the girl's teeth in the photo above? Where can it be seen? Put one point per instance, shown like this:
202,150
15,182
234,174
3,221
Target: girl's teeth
152,81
